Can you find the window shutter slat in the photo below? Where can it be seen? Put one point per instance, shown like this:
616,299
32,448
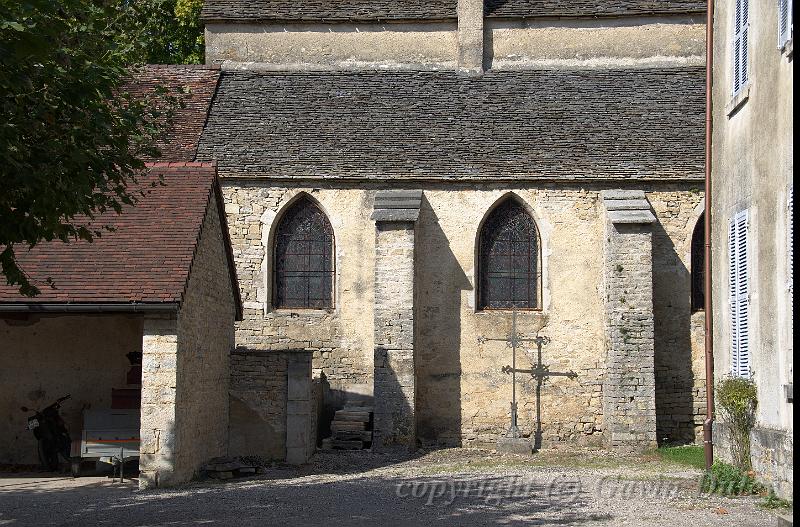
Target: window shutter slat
733,297
783,22
743,62
740,296
740,50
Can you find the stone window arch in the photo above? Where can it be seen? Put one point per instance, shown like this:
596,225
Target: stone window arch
303,270
698,265
509,259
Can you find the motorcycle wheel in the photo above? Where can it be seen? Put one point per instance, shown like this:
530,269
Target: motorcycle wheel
48,456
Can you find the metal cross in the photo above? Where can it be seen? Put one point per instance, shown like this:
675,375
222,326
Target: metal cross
513,341
541,372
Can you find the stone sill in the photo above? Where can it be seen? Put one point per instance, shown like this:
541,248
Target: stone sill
298,313
738,100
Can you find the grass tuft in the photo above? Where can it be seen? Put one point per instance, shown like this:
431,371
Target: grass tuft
689,455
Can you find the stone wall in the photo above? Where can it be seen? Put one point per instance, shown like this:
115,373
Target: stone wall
260,403
185,369
629,391
44,357
501,40
679,356
461,395
341,338
394,323
205,338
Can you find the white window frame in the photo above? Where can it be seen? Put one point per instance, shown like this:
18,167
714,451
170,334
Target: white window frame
739,294
785,23
740,50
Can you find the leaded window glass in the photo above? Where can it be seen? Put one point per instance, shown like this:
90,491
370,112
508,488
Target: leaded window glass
509,259
698,265
304,261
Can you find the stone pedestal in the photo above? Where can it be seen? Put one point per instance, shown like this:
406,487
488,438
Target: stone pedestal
514,445
395,215
629,402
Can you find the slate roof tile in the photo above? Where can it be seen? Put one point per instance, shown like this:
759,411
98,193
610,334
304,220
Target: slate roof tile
545,124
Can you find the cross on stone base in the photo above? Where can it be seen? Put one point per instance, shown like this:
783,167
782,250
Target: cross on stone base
539,371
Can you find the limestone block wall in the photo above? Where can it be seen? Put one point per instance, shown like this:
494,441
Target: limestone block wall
159,439
365,45
185,370
680,356
462,397
395,378
205,339
470,43
258,404
44,357
340,339
262,404
629,392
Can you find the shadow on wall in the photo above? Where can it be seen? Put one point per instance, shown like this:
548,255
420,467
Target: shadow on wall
673,347
440,281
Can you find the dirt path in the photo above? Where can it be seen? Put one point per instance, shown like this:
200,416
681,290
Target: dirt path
445,487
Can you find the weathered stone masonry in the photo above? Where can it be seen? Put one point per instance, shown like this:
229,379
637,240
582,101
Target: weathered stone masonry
461,395
185,369
395,215
629,402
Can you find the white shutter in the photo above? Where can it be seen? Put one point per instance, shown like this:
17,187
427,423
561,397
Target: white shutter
739,290
784,22
741,26
733,297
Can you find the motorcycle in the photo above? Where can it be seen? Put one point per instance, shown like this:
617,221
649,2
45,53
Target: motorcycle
51,434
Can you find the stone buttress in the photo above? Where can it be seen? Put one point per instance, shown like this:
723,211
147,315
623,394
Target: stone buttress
395,215
629,402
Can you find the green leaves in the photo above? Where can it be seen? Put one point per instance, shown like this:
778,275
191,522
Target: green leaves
71,138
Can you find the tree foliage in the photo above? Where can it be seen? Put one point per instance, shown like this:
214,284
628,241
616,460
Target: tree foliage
71,137
170,31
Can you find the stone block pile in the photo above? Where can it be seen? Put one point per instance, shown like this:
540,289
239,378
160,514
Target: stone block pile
351,428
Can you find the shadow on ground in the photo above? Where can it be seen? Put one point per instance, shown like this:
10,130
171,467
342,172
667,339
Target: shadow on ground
460,500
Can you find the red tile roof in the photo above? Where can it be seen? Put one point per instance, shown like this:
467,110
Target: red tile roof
145,259
194,85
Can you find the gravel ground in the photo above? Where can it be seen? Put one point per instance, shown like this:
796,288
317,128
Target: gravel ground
443,487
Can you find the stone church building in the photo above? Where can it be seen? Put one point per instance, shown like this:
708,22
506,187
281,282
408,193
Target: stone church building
405,186
400,178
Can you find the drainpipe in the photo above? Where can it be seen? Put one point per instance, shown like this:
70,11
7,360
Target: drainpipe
708,444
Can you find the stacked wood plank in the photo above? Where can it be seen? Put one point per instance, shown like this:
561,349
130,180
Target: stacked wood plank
351,428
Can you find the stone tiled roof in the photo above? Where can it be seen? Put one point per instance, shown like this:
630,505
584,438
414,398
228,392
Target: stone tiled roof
147,257
194,86
327,10
589,8
547,124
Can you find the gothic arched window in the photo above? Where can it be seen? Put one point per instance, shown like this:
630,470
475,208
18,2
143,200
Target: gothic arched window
698,265
508,259
304,258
